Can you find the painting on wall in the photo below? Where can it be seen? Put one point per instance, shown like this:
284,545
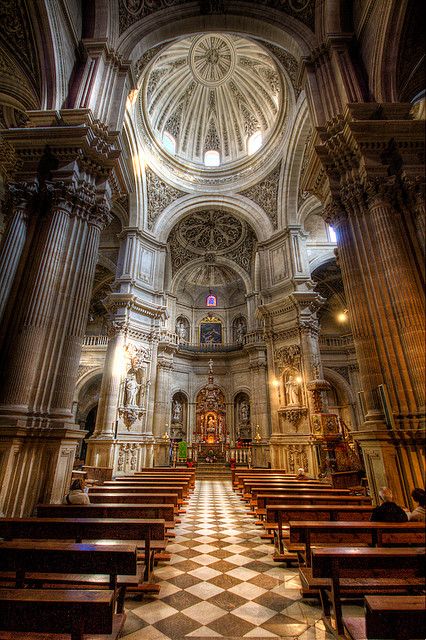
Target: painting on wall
211,332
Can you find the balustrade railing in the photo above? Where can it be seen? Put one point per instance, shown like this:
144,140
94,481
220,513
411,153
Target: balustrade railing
336,341
95,341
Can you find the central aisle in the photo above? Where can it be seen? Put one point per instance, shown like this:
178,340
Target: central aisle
222,581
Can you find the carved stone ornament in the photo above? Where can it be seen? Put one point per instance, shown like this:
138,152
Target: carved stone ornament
138,355
287,356
128,456
294,415
129,415
325,425
297,457
317,389
159,195
265,194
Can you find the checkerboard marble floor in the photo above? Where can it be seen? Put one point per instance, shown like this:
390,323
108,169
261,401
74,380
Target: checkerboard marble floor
221,580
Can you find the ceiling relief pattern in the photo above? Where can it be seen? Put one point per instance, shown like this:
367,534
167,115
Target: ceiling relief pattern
212,92
265,194
211,233
159,196
17,37
131,11
288,62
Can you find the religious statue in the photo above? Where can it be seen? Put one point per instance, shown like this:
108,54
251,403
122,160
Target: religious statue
211,425
239,329
182,330
244,411
132,386
177,411
293,390
210,366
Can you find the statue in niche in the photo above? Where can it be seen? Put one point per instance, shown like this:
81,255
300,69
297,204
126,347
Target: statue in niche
132,387
211,425
292,387
239,329
177,411
182,329
244,411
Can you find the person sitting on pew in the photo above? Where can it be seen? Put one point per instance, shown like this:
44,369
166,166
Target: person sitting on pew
302,475
418,514
77,493
389,511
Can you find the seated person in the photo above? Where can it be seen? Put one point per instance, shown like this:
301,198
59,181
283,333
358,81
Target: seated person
418,514
77,493
389,511
302,475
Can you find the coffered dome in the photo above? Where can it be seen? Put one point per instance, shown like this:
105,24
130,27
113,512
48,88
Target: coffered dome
212,93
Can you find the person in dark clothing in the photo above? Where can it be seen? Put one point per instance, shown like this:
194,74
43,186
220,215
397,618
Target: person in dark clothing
388,511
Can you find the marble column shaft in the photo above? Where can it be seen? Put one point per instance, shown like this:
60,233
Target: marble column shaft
111,381
15,238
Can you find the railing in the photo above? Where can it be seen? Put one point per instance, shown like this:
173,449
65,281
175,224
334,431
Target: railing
340,342
95,341
210,347
242,456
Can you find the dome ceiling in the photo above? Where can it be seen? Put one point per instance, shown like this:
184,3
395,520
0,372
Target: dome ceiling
212,235
212,93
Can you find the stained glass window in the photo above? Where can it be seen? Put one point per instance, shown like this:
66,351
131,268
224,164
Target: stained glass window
211,300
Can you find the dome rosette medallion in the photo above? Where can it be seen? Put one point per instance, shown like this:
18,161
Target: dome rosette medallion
211,93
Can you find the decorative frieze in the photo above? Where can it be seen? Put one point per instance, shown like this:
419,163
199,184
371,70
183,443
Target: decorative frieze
159,195
265,194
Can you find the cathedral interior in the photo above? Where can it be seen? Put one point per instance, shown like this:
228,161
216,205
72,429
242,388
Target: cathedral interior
212,219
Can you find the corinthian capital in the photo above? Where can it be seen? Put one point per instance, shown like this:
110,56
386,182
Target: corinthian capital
100,215
334,213
22,193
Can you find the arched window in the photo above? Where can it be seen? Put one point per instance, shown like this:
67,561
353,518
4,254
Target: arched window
169,142
332,234
212,158
254,142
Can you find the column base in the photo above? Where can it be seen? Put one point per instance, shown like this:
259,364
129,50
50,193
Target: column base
35,466
394,458
290,452
124,455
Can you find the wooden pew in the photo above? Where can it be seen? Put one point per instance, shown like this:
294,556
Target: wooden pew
147,535
65,564
81,614
354,571
373,534
149,498
273,496
301,498
176,473
279,513
131,498
147,488
399,617
248,486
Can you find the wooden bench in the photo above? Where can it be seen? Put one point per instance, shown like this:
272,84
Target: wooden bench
98,474
85,615
399,617
373,534
149,498
276,514
147,535
146,488
112,497
64,564
262,499
354,571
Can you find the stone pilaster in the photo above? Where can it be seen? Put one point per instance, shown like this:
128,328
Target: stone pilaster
22,201
371,208
51,263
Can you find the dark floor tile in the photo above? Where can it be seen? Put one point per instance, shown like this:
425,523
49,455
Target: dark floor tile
227,600
284,626
271,600
184,581
266,582
259,567
186,565
133,622
224,581
222,566
181,600
176,626
231,626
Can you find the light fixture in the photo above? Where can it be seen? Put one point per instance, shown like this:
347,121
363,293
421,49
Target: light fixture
299,379
275,382
342,316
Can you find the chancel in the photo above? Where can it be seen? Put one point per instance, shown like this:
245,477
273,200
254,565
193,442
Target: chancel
211,263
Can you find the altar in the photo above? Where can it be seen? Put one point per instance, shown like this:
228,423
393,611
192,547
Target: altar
210,431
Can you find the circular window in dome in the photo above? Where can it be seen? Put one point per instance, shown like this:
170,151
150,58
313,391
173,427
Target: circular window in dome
217,96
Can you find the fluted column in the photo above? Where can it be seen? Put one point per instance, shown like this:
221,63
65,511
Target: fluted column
15,237
111,381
